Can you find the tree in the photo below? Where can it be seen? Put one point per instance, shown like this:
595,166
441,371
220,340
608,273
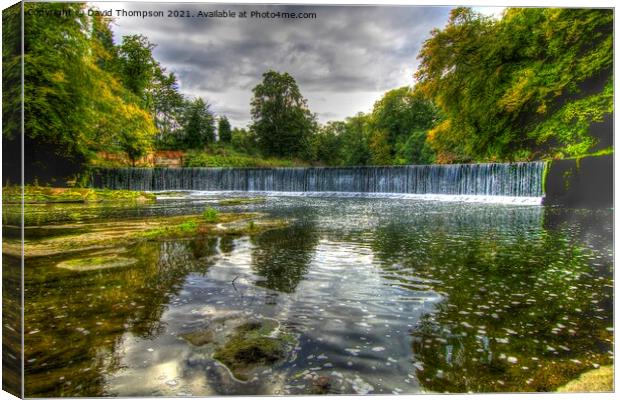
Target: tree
60,81
282,121
137,66
168,104
355,138
223,130
244,141
327,143
380,148
401,119
402,110
526,86
198,125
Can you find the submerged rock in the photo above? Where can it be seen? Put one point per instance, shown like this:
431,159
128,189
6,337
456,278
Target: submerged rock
253,344
200,337
96,263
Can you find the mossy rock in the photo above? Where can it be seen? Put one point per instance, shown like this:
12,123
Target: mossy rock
253,344
199,337
598,380
242,201
96,263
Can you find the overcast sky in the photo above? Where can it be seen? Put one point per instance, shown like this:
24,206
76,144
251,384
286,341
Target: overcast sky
343,60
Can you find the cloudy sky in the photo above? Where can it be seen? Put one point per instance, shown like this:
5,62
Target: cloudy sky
343,60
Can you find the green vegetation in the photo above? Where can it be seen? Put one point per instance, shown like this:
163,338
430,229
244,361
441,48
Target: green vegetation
526,86
224,156
241,201
199,338
96,263
598,380
223,130
252,345
281,119
536,83
43,194
210,215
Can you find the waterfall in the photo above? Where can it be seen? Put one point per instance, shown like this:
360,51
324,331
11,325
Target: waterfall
514,179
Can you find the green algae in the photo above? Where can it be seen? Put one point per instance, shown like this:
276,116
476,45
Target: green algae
242,201
254,344
200,337
41,194
96,263
597,380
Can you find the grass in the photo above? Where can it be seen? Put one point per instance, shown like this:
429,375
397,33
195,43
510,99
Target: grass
220,156
598,380
43,194
210,215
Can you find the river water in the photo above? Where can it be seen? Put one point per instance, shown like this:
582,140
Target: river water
381,296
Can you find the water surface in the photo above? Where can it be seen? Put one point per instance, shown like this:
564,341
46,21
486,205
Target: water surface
382,296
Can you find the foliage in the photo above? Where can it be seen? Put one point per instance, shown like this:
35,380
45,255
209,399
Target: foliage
199,125
223,130
522,87
137,65
210,215
380,148
45,194
401,113
226,157
355,146
244,141
326,143
168,106
282,121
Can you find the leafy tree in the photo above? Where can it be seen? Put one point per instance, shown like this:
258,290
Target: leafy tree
282,121
223,130
137,66
11,94
59,81
198,125
244,141
355,147
402,110
327,143
526,86
380,148
168,108
414,150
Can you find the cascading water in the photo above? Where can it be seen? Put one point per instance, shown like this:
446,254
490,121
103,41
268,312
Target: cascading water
508,180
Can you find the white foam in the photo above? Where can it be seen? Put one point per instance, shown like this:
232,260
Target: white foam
459,198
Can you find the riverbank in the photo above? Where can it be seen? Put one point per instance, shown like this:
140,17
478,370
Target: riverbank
34,194
597,380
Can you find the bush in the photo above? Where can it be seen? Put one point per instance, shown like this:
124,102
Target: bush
210,215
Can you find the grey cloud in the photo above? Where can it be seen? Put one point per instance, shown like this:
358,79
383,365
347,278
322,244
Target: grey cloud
344,50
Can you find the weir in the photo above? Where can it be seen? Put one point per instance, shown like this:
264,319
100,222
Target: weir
509,179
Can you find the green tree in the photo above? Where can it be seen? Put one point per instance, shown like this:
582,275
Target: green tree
137,66
223,130
355,141
244,141
327,143
528,85
168,108
401,118
199,125
282,121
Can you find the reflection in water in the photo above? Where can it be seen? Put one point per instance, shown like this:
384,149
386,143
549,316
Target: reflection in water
74,319
282,257
383,296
